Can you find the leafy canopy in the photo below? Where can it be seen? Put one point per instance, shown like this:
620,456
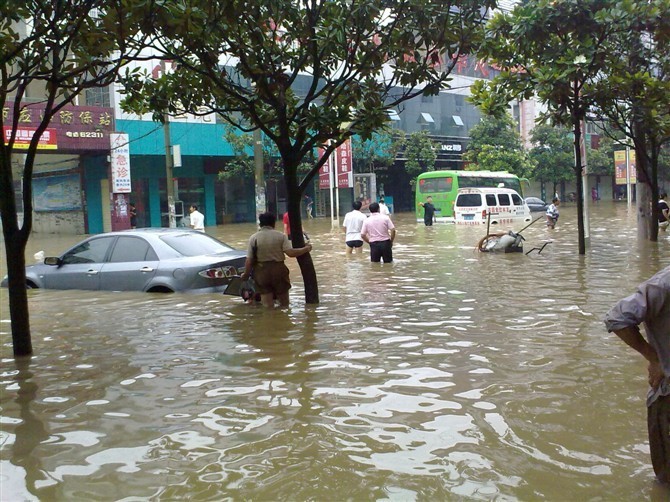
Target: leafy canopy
495,145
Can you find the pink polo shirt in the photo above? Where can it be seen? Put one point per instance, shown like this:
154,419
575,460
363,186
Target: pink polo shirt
377,227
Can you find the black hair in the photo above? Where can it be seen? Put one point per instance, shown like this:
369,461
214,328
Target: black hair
267,219
194,207
357,205
663,195
374,207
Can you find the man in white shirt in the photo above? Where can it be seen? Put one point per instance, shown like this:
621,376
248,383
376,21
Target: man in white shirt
196,218
352,225
383,208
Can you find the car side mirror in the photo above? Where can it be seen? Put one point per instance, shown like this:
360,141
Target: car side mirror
53,260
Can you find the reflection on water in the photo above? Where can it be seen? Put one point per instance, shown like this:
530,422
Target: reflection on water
448,374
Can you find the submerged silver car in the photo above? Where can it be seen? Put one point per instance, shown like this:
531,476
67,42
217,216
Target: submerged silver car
155,260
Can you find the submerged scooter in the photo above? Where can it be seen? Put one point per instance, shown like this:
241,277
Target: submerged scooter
504,242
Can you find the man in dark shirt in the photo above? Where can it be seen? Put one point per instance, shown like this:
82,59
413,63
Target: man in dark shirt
428,211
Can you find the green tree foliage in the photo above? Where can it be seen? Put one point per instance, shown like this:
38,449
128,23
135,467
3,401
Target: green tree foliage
634,95
495,145
419,152
552,155
307,74
555,49
380,150
57,50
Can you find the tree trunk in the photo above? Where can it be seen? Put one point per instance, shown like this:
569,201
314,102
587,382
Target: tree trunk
644,204
15,248
579,183
294,197
18,297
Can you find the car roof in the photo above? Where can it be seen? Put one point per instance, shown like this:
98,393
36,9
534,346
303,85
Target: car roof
150,231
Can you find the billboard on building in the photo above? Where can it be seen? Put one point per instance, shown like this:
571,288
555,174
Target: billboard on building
621,169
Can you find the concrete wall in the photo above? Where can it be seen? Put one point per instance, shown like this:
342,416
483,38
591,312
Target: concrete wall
59,222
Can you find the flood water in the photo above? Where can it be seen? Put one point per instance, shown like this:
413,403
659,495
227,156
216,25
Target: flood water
447,375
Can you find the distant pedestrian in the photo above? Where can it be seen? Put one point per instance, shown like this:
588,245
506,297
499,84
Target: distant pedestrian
650,305
428,211
133,216
594,194
196,218
552,212
352,226
266,252
383,208
379,232
309,205
663,212
287,225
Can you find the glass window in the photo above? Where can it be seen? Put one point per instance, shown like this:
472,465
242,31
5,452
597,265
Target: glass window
469,200
195,244
434,185
132,249
517,200
91,251
504,200
491,200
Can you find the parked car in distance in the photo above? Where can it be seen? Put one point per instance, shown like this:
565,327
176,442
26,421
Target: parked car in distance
536,204
154,260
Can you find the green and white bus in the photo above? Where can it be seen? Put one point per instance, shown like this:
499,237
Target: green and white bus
443,187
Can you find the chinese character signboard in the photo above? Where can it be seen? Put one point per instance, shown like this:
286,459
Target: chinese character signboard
324,172
344,165
620,168
24,135
72,129
120,163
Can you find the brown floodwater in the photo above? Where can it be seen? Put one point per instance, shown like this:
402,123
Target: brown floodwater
447,375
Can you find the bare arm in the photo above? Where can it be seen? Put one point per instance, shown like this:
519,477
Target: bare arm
392,235
632,337
295,252
248,265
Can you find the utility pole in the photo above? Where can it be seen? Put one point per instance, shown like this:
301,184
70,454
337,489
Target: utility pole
169,180
260,181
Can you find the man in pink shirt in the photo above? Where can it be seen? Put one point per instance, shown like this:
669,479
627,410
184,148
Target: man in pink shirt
378,231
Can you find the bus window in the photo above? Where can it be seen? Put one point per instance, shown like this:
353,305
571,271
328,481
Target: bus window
491,200
517,200
504,199
436,185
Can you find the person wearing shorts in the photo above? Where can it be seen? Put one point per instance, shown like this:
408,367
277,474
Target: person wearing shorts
379,232
266,252
352,225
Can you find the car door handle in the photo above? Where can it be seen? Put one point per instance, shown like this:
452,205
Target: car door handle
92,272
146,269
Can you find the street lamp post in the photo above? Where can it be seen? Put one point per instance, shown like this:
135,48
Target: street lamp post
259,178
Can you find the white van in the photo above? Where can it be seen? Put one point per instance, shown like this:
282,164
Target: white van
504,205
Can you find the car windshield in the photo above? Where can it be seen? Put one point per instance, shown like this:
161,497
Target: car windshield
195,244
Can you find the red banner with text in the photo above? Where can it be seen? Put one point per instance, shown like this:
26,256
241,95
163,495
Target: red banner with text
343,154
324,172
